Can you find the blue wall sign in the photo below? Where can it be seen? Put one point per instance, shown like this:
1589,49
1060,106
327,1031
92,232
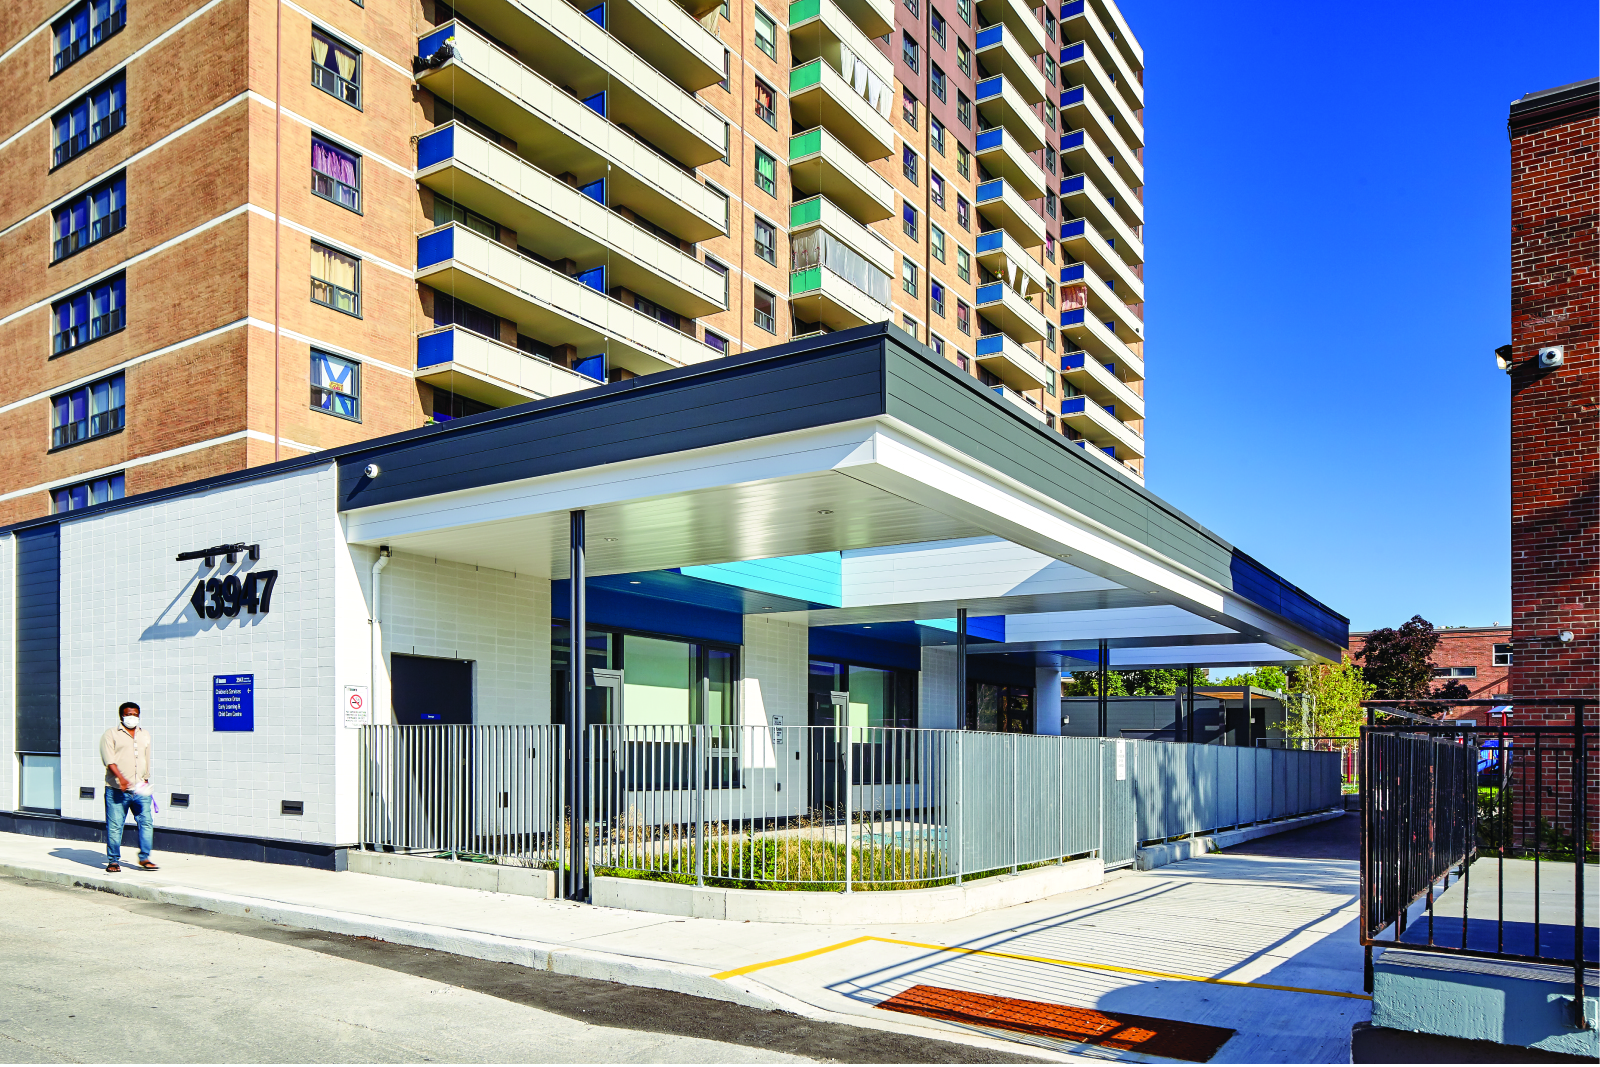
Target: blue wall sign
233,702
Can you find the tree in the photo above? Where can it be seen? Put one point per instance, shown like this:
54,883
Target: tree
1452,690
1396,663
1151,683
1271,678
1335,695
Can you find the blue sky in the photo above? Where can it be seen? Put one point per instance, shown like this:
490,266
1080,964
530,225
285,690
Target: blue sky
1327,229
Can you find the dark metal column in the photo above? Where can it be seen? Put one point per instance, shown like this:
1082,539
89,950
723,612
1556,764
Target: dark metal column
577,674
1101,662
961,668
1188,716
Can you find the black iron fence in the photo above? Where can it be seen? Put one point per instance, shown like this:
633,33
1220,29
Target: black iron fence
1479,839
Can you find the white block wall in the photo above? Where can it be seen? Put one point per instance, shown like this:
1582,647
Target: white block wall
936,695
128,632
774,668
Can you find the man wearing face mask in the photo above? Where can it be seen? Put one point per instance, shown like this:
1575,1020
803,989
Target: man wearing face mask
125,750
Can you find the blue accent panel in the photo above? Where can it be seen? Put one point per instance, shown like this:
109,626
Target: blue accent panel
436,247
1261,586
1072,405
1072,229
595,190
991,189
1110,450
992,345
1072,318
38,648
1073,184
428,45
597,15
1111,409
1072,140
1072,272
988,38
990,294
855,645
1071,52
597,103
1072,96
990,139
594,278
436,147
434,348
1072,361
992,241
1071,10
818,577
593,367
982,627
611,607
991,87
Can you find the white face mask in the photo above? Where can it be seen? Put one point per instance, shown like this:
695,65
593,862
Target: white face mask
130,721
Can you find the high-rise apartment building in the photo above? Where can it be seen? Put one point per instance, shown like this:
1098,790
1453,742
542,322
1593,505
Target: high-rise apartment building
235,232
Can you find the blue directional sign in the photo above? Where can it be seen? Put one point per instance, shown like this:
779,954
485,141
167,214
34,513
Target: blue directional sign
233,702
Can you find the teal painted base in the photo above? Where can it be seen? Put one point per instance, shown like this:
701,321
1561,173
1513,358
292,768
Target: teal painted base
1475,999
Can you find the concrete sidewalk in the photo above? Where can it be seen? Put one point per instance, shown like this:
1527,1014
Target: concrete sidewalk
1278,930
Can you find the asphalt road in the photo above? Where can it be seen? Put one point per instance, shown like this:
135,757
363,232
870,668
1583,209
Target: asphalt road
91,977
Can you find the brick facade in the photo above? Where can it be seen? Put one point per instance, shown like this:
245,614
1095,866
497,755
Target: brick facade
1460,649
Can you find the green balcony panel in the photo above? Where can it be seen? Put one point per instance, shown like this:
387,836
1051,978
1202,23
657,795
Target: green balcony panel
806,76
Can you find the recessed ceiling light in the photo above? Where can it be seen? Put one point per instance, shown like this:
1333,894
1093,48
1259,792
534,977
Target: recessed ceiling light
866,627
608,538
633,583
824,511
767,608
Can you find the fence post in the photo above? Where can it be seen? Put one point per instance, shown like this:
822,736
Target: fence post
849,815
697,755
956,841
1013,804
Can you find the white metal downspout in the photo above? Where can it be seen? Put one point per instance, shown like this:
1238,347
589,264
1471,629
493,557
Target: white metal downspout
375,654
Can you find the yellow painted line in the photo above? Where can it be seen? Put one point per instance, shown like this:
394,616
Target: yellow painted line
1039,959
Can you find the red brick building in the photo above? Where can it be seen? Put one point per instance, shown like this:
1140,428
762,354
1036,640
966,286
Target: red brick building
1479,657
1555,389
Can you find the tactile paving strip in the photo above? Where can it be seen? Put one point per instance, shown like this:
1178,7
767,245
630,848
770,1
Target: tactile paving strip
1128,1033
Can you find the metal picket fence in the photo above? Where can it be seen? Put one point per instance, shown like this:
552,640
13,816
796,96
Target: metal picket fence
1191,789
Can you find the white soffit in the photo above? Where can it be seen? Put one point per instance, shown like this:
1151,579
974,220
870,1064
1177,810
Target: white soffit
1154,620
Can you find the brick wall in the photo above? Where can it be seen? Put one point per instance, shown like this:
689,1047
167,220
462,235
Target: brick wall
1555,434
1466,647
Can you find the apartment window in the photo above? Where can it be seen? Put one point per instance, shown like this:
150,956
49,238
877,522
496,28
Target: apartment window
90,119
908,107
1050,160
936,242
766,173
963,320
1050,204
963,264
908,164
936,22
908,276
964,9
84,494
335,174
1049,294
766,310
450,310
909,324
913,7
335,279
1050,247
765,108
936,297
90,217
722,272
963,212
717,343
727,64
335,68
1050,114
1455,672
964,109
936,343
446,211
657,312
86,26
1050,343
89,315
936,80
936,188
909,51
1050,26
336,385
766,240
766,33
964,58
963,161
92,411
908,220
1502,655
936,134
1049,70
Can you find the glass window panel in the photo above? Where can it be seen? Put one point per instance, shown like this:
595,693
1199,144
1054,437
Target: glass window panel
656,681
720,671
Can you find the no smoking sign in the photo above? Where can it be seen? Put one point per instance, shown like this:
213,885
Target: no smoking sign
356,707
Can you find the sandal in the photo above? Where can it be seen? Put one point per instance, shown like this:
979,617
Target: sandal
146,865
113,868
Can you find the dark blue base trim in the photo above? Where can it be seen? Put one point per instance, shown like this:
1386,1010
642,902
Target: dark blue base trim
191,842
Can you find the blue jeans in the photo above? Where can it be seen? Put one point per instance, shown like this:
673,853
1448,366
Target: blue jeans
118,801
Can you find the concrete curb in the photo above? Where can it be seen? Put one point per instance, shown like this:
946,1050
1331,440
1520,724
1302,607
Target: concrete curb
1147,859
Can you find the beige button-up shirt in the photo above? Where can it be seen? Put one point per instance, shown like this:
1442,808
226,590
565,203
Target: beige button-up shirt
130,754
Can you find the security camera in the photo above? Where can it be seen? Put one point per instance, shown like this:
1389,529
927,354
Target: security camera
372,470
1502,358
1565,637
1552,357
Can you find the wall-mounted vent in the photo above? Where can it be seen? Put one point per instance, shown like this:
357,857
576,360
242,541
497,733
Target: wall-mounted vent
294,807
180,800
86,792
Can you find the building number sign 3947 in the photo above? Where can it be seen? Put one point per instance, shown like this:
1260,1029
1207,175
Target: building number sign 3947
217,597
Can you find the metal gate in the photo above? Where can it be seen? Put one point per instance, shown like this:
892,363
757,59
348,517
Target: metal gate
1119,828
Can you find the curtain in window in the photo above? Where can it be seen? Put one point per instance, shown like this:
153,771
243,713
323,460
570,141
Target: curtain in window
333,267
334,384
319,50
819,247
339,166
765,169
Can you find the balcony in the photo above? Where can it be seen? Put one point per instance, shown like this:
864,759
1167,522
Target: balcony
1003,158
1080,66
669,39
1101,384
1004,208
1017,17
820,96
819,162
1081,197
490,372
1079,108
1010,312
560,222
567,48
1101,345
1104,301
1011,363
1001,54
820,212
819,28
1097,424
1124,57
1107,454
832,284
1001,104
998,251
549,305
561,134
1081,154
1080,239
1017,400
873,17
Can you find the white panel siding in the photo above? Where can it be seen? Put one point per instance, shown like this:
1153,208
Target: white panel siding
936,694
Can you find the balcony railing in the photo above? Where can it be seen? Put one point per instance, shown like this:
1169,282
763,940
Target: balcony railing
81,47
110,223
